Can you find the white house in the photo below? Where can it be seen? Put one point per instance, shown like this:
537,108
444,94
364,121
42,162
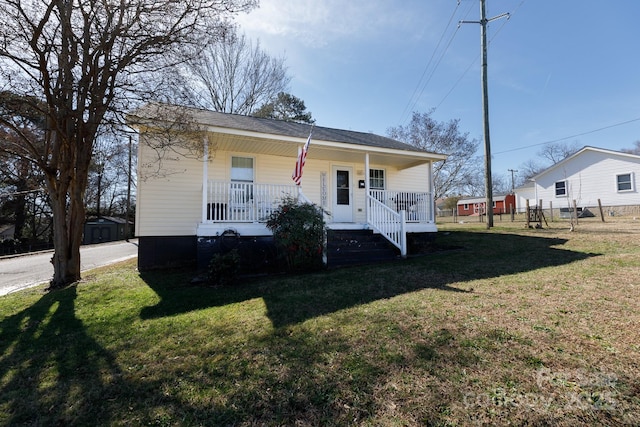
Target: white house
526,191
203,174
587,176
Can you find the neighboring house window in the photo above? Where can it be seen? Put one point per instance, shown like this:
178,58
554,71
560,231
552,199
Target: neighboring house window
495,204
466,206
625,182
376,179
561,189
242,169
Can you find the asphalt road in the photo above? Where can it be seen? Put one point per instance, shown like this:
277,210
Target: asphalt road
24,271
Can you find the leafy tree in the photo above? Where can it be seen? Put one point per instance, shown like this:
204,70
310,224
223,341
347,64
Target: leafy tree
453,174
451,202
232,75
285,107
81,59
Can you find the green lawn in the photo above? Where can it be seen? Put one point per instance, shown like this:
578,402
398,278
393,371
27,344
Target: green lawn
510,326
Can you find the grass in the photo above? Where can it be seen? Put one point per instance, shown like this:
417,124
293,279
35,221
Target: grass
519,326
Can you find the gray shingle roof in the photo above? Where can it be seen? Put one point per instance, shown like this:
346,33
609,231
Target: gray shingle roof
288,129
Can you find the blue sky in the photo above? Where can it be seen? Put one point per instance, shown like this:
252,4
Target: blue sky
564,70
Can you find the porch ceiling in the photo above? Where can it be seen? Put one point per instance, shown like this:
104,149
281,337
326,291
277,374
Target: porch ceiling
321,150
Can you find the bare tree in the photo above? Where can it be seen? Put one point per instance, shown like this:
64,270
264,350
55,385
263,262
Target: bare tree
233,75
425,132
551,154
528,170
80,58
108,176
634,150
558,151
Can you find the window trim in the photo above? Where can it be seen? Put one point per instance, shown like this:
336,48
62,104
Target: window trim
253,168
384,179
564,188
630,182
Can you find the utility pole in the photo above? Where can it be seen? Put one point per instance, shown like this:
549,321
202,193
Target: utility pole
488,186
512,180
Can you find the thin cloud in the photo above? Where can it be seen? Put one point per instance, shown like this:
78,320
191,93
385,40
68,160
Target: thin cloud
321,23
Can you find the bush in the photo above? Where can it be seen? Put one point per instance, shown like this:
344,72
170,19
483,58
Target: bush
223,268
298,231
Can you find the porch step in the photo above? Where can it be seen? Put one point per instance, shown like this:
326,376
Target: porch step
352,247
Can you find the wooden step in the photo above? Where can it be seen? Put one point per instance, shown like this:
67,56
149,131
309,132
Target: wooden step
352,247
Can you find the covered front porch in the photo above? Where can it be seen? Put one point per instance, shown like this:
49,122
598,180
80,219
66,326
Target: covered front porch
245,208
353,183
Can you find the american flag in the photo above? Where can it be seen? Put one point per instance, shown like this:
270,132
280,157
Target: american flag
302,156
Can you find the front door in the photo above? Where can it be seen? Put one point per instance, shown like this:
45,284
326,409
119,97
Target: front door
342,194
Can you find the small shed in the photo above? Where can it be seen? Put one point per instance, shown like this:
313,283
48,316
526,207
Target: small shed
105,229
7,231
475,206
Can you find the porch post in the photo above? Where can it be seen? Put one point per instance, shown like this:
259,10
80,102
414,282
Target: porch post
205,176
366,186
432,205
403,234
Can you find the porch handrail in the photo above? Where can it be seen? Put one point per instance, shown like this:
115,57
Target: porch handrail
231,201
387,221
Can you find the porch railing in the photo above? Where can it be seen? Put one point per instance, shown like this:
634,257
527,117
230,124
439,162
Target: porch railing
417,205
244,201
389,211
388,222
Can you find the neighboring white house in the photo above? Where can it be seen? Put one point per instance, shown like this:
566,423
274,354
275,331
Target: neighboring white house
587,176
526,191
203,173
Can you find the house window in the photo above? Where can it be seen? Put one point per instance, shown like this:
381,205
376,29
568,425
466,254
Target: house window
466,206
242,169
376,179
495,204
561,189
624,181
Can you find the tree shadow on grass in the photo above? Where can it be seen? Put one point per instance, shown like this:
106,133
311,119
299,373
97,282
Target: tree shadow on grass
52,372
292,299
51,367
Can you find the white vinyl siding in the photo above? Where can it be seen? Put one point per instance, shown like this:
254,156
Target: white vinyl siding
171,204
590,176
168,202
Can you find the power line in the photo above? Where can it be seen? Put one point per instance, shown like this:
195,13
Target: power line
415,96
455,85
569,137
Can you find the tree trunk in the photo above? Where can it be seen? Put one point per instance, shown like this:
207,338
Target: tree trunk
67,202
68,222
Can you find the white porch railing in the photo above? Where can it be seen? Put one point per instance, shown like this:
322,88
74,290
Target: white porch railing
244,201
417,205
389,211
388,222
